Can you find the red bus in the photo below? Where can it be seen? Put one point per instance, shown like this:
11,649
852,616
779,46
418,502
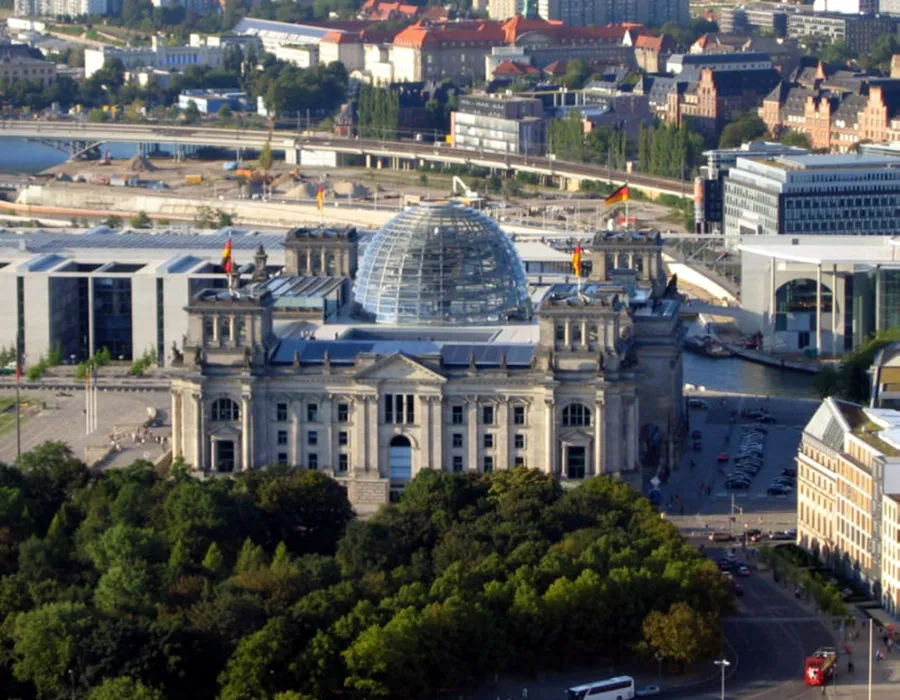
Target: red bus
820,668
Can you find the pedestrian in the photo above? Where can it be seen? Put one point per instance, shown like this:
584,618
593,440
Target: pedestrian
850,666
682,512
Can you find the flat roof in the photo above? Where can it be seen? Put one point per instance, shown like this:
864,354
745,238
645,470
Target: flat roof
838,160
821,249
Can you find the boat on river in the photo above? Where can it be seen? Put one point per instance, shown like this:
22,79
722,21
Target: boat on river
706,345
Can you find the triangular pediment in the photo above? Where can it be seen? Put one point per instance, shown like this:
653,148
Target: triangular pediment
399,367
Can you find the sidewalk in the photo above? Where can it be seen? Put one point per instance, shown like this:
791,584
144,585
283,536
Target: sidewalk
884,672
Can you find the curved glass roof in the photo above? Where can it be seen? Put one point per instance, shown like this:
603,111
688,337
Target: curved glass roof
442,264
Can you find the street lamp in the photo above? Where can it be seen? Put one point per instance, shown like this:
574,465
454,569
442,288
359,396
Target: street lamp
723,664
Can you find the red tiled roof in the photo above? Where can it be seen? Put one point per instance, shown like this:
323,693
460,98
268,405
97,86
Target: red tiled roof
648,42
556,68
481,33
511,68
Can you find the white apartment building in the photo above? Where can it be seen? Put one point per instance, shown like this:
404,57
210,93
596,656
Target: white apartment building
847,7
848,487
158,55
504,9
60,8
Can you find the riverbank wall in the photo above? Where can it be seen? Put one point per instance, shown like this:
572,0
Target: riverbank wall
94,201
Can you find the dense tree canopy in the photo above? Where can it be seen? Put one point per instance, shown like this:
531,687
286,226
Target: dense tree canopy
125,584
850,379
745,127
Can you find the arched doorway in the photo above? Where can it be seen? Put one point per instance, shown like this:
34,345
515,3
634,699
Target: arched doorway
797,311
400,458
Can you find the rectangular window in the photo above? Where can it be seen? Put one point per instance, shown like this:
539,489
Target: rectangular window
312,413
312,437
398,408
343,438
343,412
457,463
282,437
488,465
487,415
488,440
456,415
520,441
388,408
313,460
343,463
457,440
518,415
560,333
410,409
281,412
282,458
519,462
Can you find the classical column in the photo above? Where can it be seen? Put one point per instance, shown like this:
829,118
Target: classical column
503,434
568,333
200,432
472,436
246,458
632,434
91,334
437,439
176,424
834,310
361,423
879,283
550,434
599,436
296,441
427,449
374,455
773,311
631,261
327,418
614,437
308,261
584,334
323,258
819,309
214,453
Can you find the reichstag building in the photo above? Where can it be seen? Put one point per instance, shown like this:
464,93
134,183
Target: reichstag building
437,352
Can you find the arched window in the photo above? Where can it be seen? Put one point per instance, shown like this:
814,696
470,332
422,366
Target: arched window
225,409
576,414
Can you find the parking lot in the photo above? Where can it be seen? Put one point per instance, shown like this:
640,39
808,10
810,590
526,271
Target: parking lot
696,495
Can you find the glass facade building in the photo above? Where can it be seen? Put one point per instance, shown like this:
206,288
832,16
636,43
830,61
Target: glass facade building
442,264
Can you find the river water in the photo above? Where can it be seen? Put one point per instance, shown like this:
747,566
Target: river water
20,156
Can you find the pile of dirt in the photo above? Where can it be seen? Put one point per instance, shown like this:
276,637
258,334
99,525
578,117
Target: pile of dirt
346,188
305,190
139,164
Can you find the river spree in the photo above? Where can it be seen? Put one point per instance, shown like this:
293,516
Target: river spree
21,156
735,375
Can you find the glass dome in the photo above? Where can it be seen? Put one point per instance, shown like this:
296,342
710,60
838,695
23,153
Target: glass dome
442,264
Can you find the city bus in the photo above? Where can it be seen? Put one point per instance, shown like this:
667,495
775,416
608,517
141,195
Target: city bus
820,668
619,688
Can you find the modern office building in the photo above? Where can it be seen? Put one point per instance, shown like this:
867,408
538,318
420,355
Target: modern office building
812,194
746,19
274,34
847,7
828,293
709,186
499,124
62,8
848,495
590,383
688,66
858,31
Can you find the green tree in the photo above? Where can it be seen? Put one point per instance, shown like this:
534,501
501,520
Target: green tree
879,56
192,113
850,380
140,220
128,588
225,113
835,52
265,156
97,116
124,687
682,635
745,127
795,138
49,642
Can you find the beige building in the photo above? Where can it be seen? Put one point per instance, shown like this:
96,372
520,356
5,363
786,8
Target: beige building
885,373
344,47
590,384
18,68
504,9
848,484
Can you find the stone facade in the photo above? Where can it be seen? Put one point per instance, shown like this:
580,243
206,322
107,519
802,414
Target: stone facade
600,393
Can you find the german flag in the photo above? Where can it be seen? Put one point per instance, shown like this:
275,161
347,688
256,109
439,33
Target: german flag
576,260
226,257
320,197
620,195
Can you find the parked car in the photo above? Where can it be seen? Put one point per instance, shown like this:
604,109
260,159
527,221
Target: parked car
697,446
779,491
696,435
723,457
768,420
753,534
789,472
743,571
647,691
697,403
737,484
721,536
738,589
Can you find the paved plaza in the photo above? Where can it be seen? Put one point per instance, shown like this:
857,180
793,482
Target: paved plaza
59,415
